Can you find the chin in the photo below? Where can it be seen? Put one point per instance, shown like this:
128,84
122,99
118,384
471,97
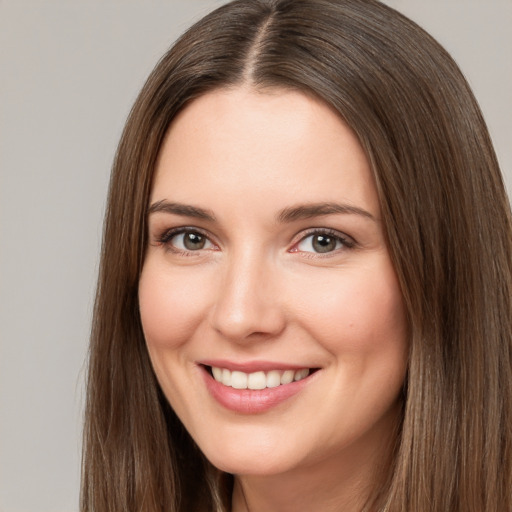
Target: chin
249,467
249,460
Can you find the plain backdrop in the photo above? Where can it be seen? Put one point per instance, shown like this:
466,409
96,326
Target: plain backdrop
69,72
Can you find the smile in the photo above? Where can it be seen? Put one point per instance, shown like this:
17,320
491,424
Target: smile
257,389
257,380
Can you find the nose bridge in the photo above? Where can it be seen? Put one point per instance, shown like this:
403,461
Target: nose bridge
247,301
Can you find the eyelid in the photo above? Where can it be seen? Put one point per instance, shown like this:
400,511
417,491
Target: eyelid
165,236
347,241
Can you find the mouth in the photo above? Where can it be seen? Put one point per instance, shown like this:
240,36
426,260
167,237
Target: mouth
257,380
257,390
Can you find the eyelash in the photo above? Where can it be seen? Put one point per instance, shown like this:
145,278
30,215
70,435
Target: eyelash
346,242
166,237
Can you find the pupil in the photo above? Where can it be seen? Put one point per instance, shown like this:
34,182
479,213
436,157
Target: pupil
322,243
193,241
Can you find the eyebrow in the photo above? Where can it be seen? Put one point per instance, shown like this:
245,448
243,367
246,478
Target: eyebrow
184,210
290,214
307,211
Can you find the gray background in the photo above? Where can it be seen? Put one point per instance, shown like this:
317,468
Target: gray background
69,72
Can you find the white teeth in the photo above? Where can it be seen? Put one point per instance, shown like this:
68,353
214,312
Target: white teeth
287,377
273,379
238,380
257,380
217,373
226,377
301,374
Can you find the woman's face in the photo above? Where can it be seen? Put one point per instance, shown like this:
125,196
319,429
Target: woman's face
270,307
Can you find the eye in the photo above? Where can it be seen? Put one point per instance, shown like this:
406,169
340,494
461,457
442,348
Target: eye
322,242
186,240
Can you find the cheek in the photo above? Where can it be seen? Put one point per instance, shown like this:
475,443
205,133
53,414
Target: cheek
357,312
171,306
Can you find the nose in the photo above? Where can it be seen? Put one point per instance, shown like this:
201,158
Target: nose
248,304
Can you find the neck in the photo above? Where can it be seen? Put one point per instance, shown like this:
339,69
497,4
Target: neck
286,495
348,481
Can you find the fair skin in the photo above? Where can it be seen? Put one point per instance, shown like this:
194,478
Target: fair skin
267,256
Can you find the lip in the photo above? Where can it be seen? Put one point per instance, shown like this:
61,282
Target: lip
251,366
249,401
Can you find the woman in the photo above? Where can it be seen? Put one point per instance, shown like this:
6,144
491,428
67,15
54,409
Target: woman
304,295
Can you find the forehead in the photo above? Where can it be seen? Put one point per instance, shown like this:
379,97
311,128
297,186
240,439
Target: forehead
240,144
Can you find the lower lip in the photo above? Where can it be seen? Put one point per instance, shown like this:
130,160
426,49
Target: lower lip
249,401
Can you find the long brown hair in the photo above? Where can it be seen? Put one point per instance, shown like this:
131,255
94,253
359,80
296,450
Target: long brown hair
448,226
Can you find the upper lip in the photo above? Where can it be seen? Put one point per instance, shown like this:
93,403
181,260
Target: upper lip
252,366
